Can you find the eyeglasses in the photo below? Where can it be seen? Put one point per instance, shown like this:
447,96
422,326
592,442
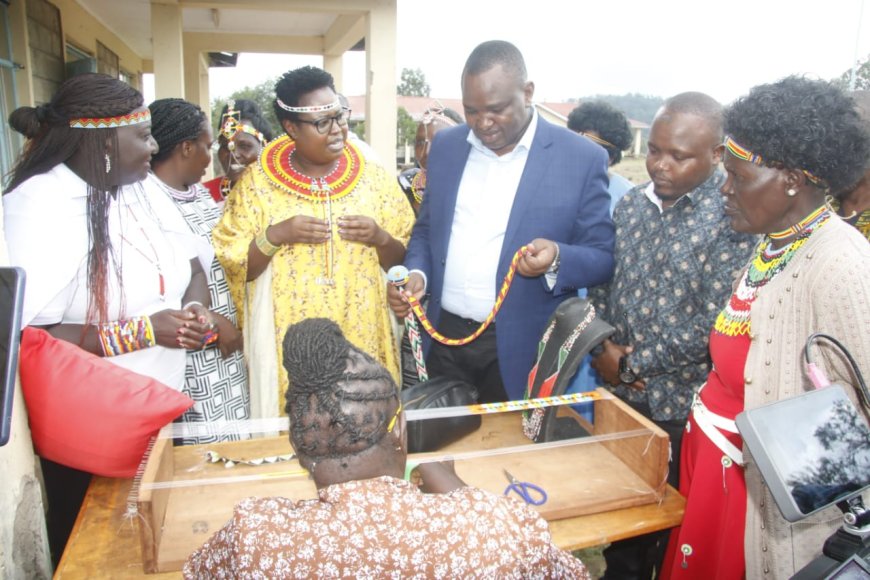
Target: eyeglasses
324,125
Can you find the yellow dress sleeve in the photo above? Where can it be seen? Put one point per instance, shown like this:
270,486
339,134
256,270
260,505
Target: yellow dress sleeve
243,218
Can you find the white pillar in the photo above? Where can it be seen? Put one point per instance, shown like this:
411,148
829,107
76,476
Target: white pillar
334,65
168,50
381,83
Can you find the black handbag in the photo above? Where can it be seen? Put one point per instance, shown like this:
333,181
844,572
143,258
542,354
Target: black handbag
431,434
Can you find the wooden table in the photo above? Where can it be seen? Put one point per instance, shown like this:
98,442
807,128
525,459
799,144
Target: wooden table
105,541
104,544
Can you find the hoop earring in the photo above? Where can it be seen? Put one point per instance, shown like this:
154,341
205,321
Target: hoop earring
791,192
108,163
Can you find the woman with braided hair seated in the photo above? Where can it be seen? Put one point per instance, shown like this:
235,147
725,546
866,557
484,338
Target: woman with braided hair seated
348,430
109,267
215,378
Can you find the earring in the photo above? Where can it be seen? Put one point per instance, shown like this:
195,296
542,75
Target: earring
108,163
791,192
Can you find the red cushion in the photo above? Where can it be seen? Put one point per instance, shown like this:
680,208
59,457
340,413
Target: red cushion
88,413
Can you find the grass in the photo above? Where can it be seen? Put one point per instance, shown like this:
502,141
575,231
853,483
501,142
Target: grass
633,169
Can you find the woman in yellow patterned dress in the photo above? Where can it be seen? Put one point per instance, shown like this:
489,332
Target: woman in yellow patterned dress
306,233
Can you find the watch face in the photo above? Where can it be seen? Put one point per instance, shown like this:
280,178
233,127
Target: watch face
626,373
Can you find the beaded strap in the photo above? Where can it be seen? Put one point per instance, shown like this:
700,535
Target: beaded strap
124,336
502,293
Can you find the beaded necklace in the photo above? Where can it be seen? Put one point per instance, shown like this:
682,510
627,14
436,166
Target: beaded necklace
180,195
155,261
276,162
735,318
225,186
418,185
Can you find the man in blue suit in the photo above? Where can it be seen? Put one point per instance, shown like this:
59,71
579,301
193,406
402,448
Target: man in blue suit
506,179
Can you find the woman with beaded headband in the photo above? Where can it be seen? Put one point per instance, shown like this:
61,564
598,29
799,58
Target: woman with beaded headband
307,233
109,267
241,134
215,378
413,181
787,143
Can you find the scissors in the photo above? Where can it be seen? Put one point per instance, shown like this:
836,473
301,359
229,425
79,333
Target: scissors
525,489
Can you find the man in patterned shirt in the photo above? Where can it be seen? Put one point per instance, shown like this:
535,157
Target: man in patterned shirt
348,430
676,257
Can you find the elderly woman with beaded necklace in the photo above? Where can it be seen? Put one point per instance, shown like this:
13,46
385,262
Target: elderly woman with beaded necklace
308,232
787,143
215,378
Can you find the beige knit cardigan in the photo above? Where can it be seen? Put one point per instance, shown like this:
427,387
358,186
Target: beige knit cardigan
825,288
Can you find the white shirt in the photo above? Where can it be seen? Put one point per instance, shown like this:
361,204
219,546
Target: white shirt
46,233
483,206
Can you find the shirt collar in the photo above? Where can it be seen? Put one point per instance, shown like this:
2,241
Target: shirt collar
712,182
524,144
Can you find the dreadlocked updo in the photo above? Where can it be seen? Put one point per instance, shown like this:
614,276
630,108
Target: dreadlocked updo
340,400
174,121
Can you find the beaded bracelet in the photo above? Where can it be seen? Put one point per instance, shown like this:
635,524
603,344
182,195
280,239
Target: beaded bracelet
264,245
123,336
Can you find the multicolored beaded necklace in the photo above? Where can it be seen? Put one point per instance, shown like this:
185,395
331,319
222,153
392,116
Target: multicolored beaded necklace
276,162
418,185
735,318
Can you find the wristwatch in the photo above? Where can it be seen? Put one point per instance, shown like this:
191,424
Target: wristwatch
625,372
554,265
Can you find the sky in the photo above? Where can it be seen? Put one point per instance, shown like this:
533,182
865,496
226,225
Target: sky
576,48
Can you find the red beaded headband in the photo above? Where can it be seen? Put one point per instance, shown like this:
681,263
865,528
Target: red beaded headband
111,122
745,154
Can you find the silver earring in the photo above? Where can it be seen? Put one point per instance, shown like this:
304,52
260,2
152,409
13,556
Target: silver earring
791,192
108,163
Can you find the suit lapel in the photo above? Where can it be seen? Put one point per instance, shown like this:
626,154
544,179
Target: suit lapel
459,156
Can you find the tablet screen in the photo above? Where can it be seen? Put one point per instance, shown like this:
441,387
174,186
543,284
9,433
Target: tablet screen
817,446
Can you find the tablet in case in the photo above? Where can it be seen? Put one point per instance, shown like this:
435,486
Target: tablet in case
813,450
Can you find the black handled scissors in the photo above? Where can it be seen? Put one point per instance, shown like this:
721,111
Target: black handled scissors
524,489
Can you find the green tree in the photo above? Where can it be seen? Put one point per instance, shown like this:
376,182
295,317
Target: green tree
413,83
262,94
406,127
862,76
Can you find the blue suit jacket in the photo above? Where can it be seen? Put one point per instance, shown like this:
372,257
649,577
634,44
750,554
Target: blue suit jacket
562,196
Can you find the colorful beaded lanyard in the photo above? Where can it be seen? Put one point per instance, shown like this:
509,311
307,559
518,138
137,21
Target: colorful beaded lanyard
276,162
735,319
532,420
418,311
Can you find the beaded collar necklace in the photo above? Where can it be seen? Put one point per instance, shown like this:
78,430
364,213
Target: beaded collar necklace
276,162
181,195
767,263
798,227
418,185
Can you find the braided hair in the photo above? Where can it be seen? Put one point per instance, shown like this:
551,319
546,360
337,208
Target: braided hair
174,121
340,400
295,84
51,141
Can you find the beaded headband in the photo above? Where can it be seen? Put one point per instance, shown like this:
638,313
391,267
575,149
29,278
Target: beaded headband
111,122
433,114
745,154
597,139
315,109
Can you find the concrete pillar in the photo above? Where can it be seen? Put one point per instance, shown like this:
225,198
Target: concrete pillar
168,50
334,65
381,83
